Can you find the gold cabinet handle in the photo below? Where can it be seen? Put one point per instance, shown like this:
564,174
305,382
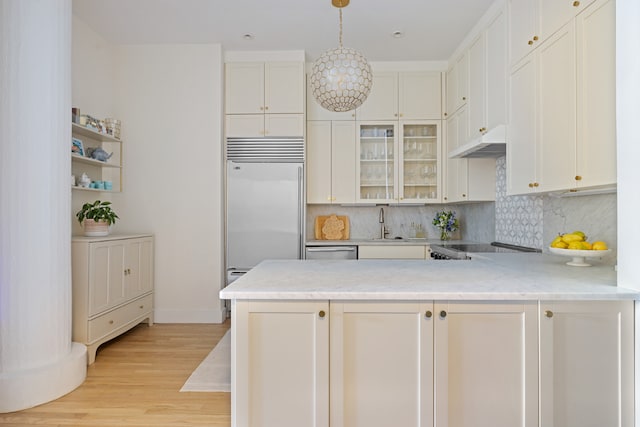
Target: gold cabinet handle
321,313
535,184
576,3
428,314
548,313
443,314
578,178
531,185
535,38
530,42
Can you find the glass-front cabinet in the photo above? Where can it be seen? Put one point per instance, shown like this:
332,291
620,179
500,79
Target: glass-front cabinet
377,166
418,159
398,162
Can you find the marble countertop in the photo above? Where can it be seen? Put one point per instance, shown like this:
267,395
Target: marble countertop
500,276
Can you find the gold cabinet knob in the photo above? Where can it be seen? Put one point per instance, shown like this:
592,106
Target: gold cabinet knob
395,115
445,198
353,114
535,38
443,314
261,108
535,184
576,3
530,42
464,98
321,313
531,185
548,313
428,314
266,108
401,115
445,114
464,195
111,322
141,307
578,178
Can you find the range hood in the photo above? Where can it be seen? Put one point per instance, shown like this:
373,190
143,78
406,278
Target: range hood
490,144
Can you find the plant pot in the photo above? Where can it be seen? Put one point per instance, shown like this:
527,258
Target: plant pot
95,229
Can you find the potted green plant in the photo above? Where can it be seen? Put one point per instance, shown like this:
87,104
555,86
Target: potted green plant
96,218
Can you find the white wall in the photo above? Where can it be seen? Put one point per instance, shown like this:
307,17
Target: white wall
169,98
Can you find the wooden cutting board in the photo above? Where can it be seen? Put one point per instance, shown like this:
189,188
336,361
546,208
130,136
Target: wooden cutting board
332,227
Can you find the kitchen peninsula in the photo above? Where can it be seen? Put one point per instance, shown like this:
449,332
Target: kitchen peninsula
501,339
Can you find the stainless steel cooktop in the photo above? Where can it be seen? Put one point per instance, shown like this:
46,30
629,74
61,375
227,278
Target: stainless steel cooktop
460,250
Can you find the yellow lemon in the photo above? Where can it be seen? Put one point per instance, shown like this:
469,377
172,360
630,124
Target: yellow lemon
580,233
586,246
560,245
570,237
576,245
599,246
556,240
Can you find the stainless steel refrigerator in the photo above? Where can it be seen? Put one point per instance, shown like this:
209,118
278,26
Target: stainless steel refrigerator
264,200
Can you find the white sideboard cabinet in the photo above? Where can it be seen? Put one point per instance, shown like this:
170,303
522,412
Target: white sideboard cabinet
112,287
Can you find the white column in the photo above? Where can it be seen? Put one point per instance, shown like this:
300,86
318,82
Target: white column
38,361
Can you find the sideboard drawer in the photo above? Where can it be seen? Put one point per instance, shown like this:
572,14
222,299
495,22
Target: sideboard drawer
113,320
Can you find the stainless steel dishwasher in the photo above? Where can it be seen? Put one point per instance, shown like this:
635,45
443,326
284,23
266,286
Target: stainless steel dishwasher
331,252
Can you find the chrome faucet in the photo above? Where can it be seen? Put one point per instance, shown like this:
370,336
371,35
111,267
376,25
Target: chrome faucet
383,229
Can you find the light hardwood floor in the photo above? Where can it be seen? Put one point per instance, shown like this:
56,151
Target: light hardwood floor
136,381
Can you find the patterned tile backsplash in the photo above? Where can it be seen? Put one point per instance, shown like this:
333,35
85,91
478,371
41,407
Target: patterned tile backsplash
521,220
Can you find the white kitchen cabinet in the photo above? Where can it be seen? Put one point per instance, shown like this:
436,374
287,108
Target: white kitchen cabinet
486,364
331,160
522,164
457,84
112,287
258,87
381,364
524,20
390,251
96,170
554,14
264,125
281,369
570,152
586,364
402,168
466,179
487,101
596,115
406,95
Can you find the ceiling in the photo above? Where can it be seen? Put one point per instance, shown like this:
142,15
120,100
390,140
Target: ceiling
432,29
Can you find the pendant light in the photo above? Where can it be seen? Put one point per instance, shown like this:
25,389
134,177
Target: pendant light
341,78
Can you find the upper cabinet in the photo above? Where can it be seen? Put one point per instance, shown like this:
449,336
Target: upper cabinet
406,95
264,99
488,78
457,84
563,108
534,21
316,112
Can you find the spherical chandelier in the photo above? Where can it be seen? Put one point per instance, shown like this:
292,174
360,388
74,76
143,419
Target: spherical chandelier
341,78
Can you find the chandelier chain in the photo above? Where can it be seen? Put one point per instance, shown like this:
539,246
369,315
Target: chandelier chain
340,27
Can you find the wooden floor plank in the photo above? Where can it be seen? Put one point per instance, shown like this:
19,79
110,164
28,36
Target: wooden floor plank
136,381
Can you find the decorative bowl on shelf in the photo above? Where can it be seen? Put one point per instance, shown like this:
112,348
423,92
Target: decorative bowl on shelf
578,256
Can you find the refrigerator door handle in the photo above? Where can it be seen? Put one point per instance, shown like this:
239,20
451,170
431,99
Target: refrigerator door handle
300,212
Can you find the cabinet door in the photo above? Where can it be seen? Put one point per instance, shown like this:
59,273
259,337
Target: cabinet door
477,104
596,155
418,154
376,172
456,169
382,102
319,161
554,14
586,364
420,95
138,266
497,78
381,364
284,87
343,162
458,84
106,276
244,88
283,125
522,133
524,24
557,115
244,125
486,364
281,369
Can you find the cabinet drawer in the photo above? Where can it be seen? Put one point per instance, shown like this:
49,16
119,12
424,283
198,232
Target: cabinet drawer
392,252
113,320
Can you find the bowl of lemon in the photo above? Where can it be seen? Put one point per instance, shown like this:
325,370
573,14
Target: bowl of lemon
576,246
